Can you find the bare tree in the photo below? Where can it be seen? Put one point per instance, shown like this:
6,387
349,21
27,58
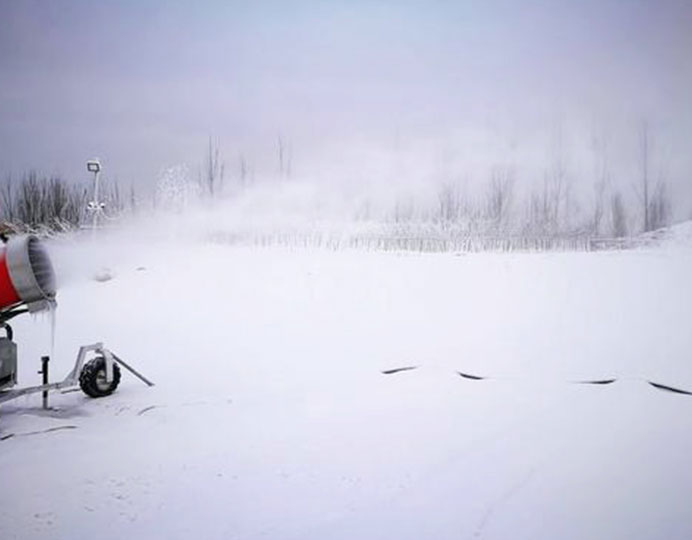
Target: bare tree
282,150
499,195
601,182
449,202
285,157
598,205
556,197
114,198
214,173
29,200
289,161
404,210
618,215
41,202
132,200
541,210
242,171
7,199
644,149
660,207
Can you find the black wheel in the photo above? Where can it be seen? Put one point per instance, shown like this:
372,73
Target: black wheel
92,379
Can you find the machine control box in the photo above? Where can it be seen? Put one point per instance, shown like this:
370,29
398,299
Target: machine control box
8,363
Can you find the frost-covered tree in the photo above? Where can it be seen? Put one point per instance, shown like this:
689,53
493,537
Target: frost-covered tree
645,149
618,215
449,199
214,171
38,202
660,207
499,196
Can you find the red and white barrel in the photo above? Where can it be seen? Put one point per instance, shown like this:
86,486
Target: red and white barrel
26,274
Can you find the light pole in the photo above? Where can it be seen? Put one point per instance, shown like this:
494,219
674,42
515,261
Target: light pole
95,206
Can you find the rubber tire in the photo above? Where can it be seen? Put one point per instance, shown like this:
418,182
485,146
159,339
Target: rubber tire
91,378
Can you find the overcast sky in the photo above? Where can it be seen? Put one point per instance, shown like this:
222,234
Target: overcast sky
144,84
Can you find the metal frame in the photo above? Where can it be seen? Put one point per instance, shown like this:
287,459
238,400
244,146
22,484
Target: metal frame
72,378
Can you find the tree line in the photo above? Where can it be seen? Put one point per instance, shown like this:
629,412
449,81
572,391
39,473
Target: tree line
35,202
549,208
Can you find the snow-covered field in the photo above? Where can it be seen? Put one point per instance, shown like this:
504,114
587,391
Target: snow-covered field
271,417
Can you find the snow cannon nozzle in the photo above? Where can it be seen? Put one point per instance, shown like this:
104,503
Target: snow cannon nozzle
27,279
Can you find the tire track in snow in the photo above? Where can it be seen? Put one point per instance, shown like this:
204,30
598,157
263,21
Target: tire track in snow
493,507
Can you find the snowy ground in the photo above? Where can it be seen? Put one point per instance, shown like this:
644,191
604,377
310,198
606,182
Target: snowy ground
271,417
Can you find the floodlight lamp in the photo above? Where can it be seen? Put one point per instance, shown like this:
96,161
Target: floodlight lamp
93,166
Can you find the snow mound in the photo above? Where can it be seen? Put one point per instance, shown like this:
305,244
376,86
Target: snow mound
675,236
679,235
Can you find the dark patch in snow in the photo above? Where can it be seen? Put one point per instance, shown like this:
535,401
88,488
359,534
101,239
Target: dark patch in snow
397,370
62,412
596,381
669,388
471,377
122,409
146,409
49,430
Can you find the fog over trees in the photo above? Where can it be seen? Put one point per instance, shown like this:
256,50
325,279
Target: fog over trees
498,120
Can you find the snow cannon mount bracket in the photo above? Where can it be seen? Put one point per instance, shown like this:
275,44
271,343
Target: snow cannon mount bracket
97,377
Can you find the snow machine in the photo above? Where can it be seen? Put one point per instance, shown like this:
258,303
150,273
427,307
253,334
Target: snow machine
27,285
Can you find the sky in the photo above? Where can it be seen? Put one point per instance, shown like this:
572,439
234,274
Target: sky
455,87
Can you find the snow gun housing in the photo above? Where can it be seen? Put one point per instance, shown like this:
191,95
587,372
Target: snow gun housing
27,279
